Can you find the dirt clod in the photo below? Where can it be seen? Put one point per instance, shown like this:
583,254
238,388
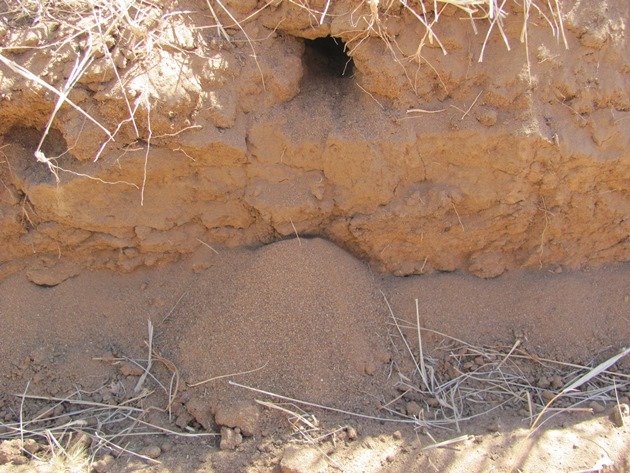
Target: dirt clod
230,438
620,414
130,369
243,416
104,464
151,451
50,276
352,433
597,407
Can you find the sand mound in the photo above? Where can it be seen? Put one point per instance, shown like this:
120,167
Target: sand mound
307,311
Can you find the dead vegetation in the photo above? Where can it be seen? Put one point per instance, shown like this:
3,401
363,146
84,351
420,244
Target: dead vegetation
130,31
460,382
70,433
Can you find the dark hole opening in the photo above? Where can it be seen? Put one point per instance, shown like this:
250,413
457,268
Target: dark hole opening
327,57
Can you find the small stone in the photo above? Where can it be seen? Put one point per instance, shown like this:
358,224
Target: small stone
129,369
486,116
413,409
58,410
151,451
81,440
244,416
302,460
619,413
104,464
548,395
433,402
230,439
557,382
596,407
166,447
31,446
45,413
397,435
65,419
479,361
19,460
544,383
183,420
390,458
352,433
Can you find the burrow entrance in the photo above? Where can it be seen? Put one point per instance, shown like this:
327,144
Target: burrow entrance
327,57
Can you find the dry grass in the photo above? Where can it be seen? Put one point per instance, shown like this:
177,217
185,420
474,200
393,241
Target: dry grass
459,382
70,440
132,30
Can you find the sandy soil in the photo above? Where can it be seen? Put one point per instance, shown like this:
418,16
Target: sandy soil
313,324
518,161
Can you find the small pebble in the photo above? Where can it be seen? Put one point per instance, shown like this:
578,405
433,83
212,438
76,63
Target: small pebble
548,395
619,414
596,407
433,402
352,433
557,382
31,446
543,382
413,409
151,451
104,464
397,435
166,446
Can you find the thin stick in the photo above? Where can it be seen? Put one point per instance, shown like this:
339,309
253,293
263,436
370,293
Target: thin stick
400,333
29,75
174,306
472,105
296,232
149,361
319,406
420,110
514,347
227,376
458,217
423,371
146,153
205,244
371,95
446,443
81,402
271,405
22,413
580,381
118,447
321,20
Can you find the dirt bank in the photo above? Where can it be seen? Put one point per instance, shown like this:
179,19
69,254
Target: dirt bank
517,161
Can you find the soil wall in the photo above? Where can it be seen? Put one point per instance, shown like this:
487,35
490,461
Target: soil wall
414,160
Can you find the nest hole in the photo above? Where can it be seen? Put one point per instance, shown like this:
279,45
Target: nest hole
327,57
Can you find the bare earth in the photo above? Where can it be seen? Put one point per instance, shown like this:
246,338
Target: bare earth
312,321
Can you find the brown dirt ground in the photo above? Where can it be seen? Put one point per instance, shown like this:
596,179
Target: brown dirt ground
313,321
